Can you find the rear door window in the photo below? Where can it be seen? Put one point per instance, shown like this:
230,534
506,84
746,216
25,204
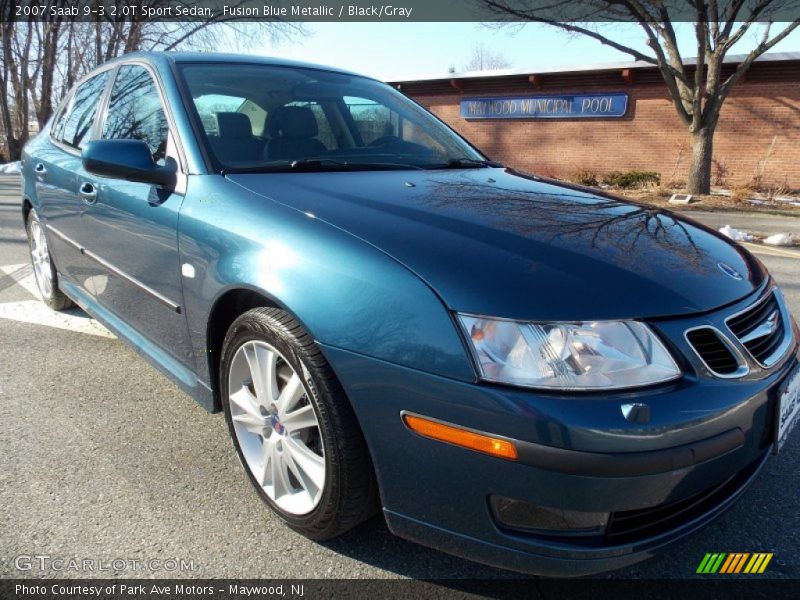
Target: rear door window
57,128
73,127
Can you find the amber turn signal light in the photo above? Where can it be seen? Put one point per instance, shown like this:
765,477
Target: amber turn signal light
461,437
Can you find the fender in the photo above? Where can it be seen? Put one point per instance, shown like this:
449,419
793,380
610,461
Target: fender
234,238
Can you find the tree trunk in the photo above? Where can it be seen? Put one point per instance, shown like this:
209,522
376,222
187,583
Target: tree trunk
702,153
49,60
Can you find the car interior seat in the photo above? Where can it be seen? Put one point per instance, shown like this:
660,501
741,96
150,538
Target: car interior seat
235,141
292,131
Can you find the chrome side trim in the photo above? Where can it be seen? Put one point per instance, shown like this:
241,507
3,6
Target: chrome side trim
743,368
119,273
131,279
64,237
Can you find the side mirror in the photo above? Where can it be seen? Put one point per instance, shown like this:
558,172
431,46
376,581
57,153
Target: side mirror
130,160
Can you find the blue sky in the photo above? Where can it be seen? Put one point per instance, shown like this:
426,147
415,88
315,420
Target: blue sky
406,50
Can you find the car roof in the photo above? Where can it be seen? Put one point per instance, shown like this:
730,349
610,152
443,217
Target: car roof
219,57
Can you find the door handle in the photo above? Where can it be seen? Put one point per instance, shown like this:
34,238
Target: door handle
88,192
40,170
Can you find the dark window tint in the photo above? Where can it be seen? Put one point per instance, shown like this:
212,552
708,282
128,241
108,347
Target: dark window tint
74,129
135,111
57,128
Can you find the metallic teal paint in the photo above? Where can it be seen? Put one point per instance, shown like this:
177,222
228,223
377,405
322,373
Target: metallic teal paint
347,294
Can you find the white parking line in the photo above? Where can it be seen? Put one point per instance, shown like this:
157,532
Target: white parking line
23,277
36,313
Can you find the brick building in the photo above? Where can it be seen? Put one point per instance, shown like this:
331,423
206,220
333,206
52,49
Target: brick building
758,132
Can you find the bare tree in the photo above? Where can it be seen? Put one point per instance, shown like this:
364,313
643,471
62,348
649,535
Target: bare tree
485,59
43,57
698,86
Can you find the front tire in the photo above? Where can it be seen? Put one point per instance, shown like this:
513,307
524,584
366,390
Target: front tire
292,426
44,271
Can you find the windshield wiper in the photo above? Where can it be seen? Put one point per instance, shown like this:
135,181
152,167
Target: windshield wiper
317,164
312,163
466,162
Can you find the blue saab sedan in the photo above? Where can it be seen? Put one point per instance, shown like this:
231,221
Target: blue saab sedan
516,370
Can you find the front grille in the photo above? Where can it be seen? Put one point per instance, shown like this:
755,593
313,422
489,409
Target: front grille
714,352
760,329
631,525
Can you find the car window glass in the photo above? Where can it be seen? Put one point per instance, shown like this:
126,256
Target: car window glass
76,126
377,122
57,129
325,131
373,120
135,111
257,116
311,113
209,105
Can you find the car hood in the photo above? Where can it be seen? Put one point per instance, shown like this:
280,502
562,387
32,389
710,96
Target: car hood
496,242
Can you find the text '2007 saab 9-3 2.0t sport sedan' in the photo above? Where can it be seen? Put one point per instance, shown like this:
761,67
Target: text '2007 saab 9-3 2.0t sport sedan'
519,371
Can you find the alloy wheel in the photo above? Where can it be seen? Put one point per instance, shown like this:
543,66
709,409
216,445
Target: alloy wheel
277,427
40,257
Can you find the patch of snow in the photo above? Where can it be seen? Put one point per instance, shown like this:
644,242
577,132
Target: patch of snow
12,167
737,235
780,239
755,197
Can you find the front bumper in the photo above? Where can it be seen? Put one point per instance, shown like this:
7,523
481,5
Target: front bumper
554,560
705,440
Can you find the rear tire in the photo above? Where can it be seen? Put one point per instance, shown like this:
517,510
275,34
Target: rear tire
293,428
44,271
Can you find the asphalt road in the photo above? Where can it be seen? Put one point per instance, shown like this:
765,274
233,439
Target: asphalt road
102,458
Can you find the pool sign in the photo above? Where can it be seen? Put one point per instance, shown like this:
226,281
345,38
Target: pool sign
562,106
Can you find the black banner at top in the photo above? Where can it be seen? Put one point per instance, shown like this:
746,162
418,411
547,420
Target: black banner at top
399,10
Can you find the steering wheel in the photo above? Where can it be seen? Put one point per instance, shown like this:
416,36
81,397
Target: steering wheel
385,141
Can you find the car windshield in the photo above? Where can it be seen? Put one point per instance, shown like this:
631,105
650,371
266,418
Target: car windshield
275,118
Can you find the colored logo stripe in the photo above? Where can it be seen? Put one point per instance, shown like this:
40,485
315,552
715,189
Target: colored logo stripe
758,563
711,563
735,562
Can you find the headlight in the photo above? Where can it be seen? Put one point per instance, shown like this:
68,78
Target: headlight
569,356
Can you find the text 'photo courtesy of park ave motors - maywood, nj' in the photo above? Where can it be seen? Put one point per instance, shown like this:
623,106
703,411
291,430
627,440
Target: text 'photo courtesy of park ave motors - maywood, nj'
159,589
